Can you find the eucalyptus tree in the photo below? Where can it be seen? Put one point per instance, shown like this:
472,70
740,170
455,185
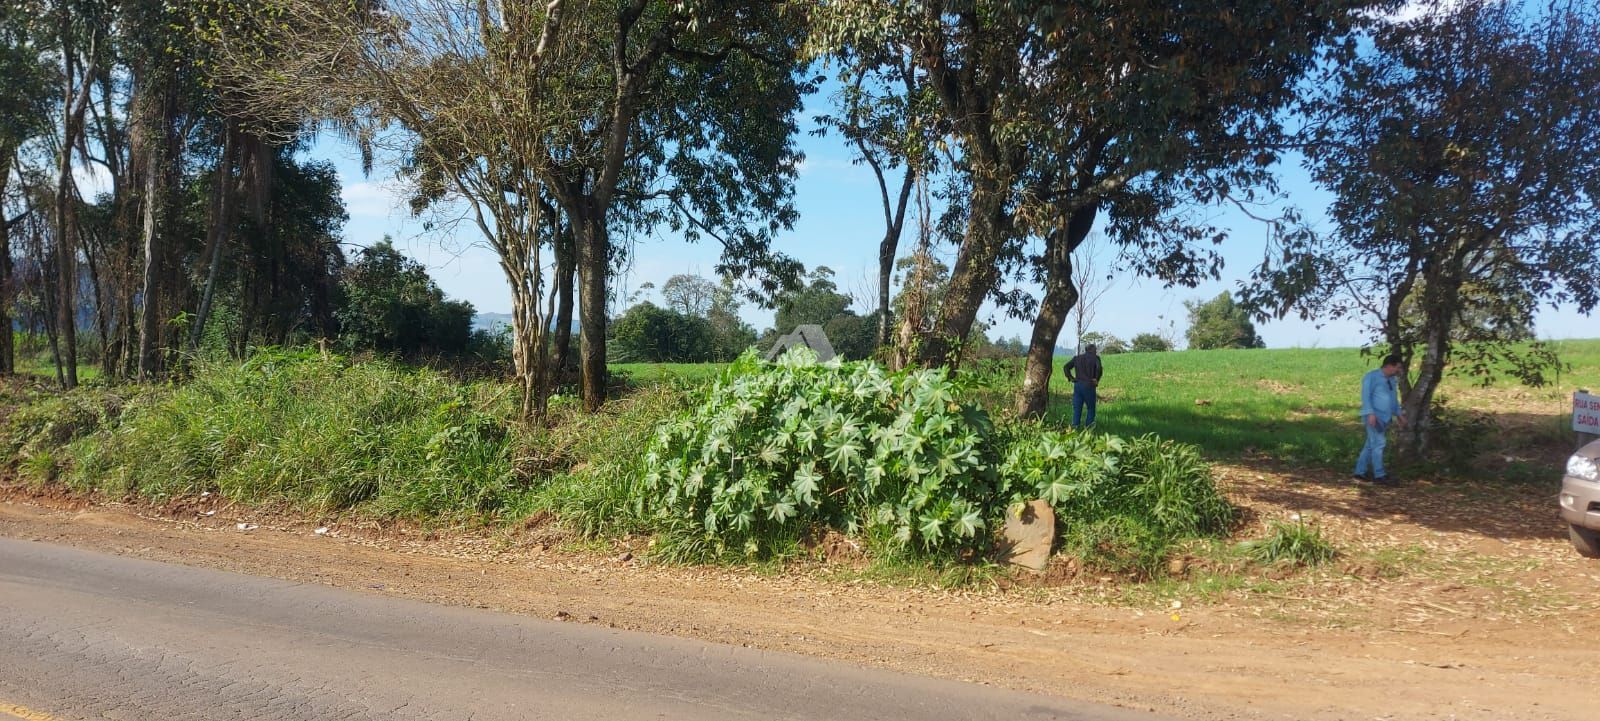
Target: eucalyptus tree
1463,150
25,89
81,39
1063,110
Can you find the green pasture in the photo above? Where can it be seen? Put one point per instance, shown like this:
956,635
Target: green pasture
1292,404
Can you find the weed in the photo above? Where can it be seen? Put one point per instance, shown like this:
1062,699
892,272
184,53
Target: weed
39,466
1295,543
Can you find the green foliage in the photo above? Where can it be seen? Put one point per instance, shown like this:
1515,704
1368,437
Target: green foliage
730,335
819,302
1149,343
596,496
700,324
1295,543
772,452
317,431
854,337
1120,504
647,333
391,305
27,80
1221,323
42,424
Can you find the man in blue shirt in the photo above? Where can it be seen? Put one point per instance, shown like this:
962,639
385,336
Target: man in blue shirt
1380,406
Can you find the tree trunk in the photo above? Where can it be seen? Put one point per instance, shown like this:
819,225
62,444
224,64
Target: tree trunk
156,113
94,257
976,270
1440,297
895,223
1059,296
66,268
217,234
593,256
8,364
566,269
46,263
525,354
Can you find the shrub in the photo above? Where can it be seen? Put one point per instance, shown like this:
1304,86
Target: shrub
771,452
44,423
1120,504
1149,343
648,334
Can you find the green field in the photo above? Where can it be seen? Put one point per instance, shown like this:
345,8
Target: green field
1294,404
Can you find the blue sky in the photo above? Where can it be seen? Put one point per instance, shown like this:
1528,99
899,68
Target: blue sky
841,222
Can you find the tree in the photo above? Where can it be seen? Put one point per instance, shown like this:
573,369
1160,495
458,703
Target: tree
1463,149
391,305
817,302
1091,281
650,334
25,81
689,294
1220,323
80,33
1184,108
885,116
1149,343
667,111
730,336
1104,343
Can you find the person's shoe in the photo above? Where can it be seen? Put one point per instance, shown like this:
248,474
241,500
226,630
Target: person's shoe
1388,481
1360,477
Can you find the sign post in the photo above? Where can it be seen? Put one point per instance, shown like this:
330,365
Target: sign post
1585,416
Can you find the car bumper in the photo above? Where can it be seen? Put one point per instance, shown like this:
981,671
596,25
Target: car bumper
1580,502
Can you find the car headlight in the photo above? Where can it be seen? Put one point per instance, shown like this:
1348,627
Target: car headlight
1581,467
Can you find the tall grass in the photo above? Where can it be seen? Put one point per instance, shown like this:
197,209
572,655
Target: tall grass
313,431
326,434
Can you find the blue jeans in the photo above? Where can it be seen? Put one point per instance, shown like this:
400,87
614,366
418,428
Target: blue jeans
1372,453
1082,395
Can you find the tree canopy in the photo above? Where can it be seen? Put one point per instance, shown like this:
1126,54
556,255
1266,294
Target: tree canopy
1463,151
1220,323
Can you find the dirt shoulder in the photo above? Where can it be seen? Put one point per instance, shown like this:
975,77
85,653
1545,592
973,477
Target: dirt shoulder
1451,607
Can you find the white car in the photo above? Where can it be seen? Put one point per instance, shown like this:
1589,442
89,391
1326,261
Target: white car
1580,499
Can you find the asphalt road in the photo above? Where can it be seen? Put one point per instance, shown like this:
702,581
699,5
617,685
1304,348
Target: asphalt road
87,635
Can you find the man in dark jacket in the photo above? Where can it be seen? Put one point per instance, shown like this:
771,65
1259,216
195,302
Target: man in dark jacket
1084,373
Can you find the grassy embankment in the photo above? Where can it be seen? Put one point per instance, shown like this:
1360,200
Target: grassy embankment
320,434
328,436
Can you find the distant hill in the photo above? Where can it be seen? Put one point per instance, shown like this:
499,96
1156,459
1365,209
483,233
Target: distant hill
492,321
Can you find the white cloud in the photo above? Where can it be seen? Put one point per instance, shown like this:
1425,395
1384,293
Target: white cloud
373,199
92,180
1420,8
